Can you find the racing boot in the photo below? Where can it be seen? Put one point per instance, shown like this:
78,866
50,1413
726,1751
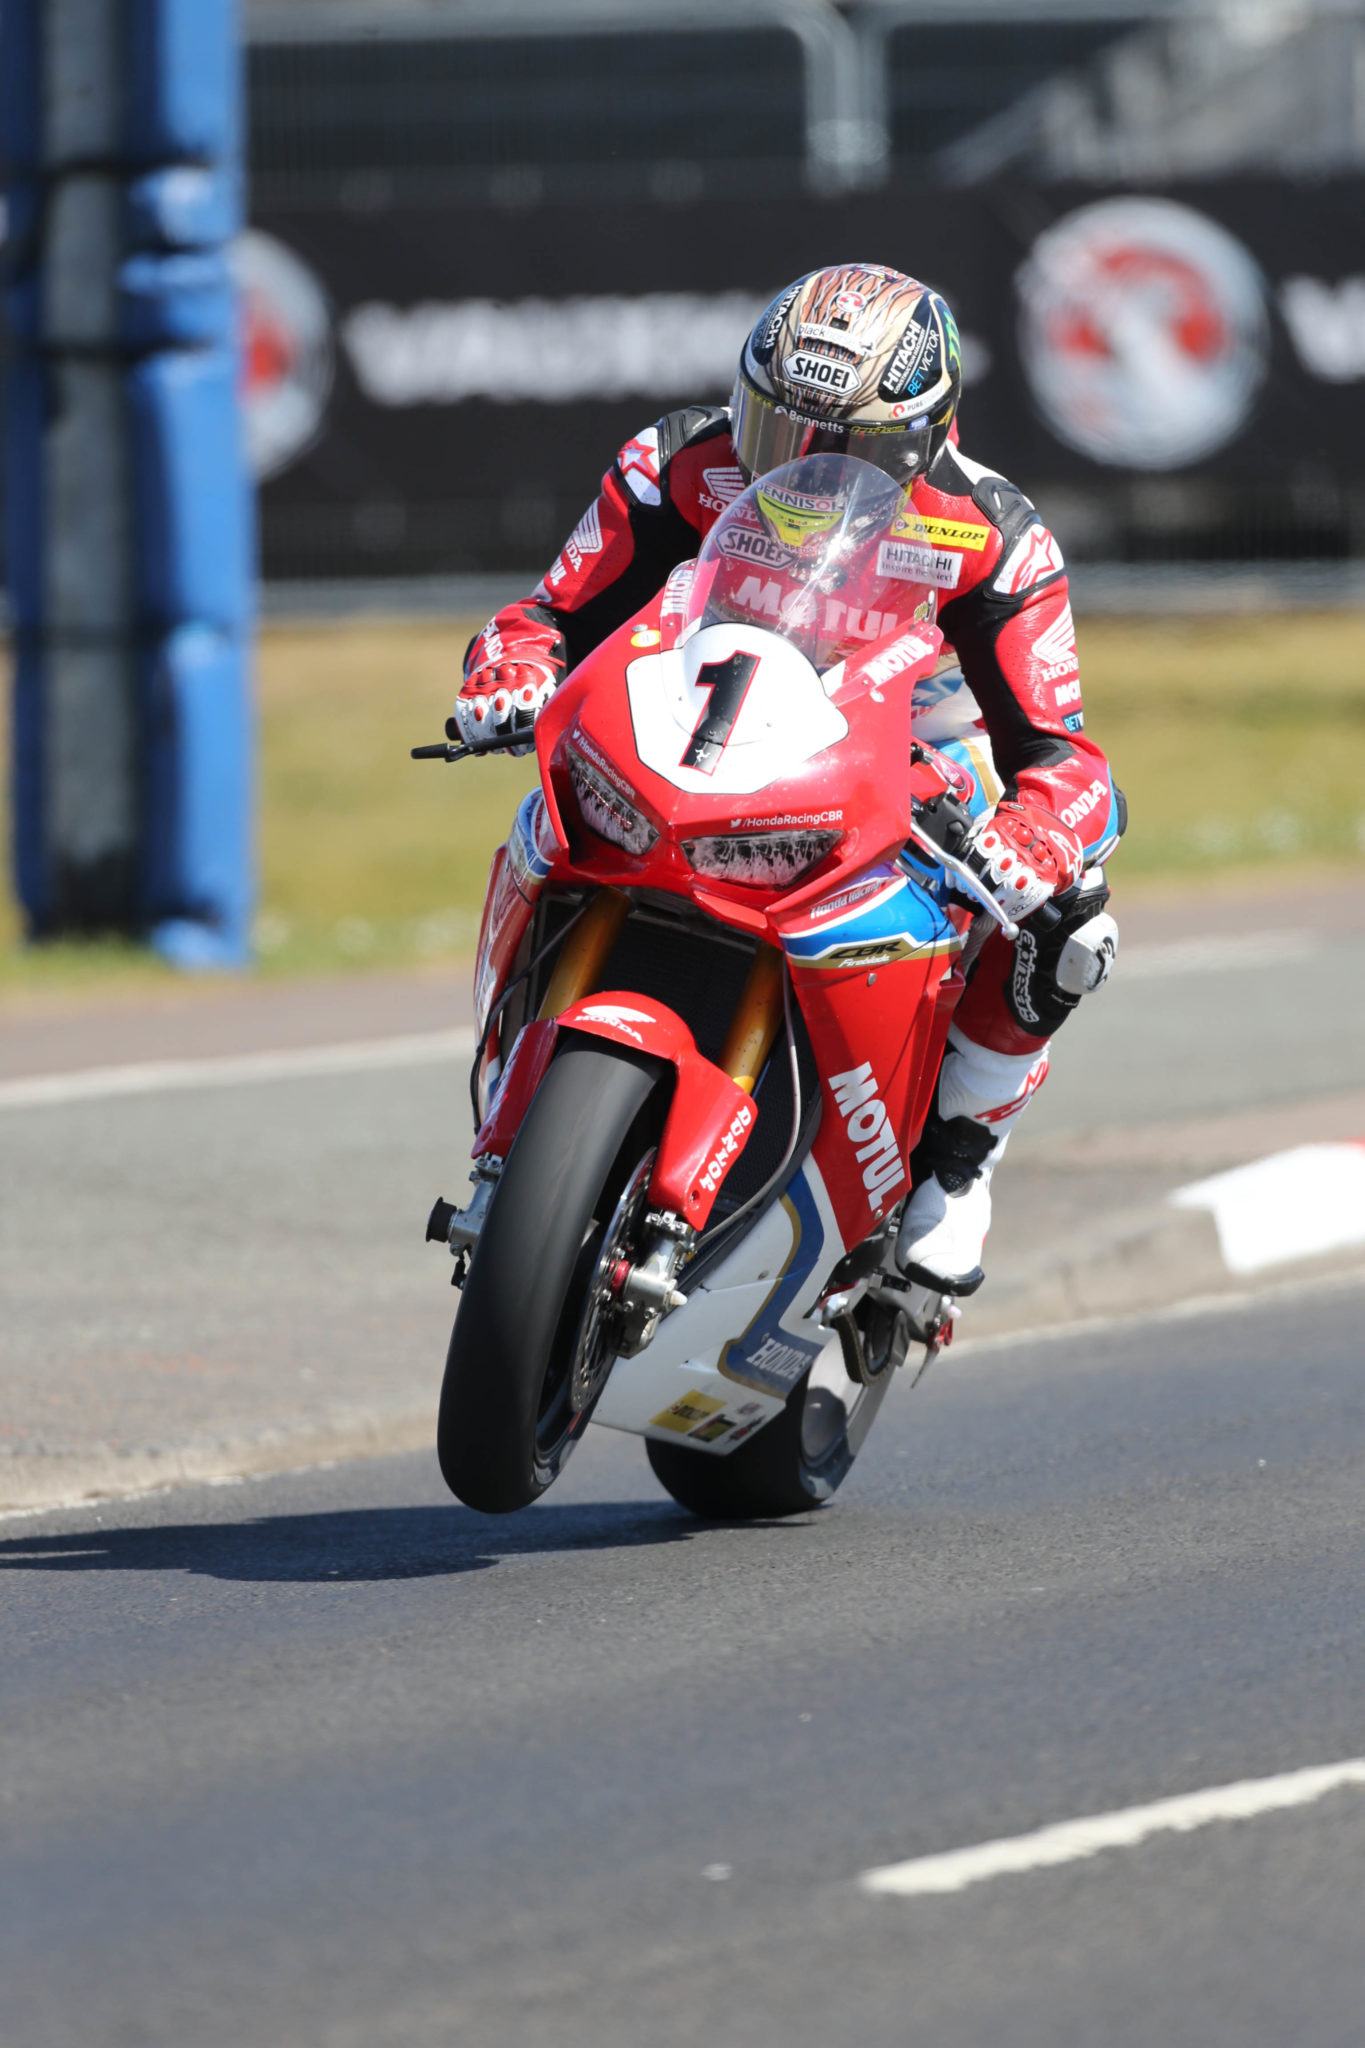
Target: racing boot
981,1094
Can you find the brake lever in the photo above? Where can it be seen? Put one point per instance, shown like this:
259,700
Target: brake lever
973,886
446,750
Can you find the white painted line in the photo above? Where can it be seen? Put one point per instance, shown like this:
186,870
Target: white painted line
1293,1205
1070,1841
235,1070
1179,957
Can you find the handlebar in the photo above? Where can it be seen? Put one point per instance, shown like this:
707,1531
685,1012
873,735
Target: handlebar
448,750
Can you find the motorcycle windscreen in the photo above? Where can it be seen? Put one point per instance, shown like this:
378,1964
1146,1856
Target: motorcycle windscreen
827,552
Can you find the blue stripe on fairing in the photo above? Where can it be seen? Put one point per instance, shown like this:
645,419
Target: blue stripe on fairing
899,911
958,750
808,1244
523,831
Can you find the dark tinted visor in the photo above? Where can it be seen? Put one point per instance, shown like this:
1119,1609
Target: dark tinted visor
767,435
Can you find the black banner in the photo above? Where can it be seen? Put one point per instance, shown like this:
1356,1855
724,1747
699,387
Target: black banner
436,391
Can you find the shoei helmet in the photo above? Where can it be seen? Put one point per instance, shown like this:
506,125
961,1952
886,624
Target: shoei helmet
855,360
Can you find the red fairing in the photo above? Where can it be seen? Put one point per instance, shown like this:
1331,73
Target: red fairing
521,1077
506,914
852,788
876,1082
710,1119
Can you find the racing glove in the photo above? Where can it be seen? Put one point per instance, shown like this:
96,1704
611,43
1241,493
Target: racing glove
511,671
1024,855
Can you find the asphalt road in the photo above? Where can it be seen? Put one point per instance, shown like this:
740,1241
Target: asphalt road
185,1273
325,1761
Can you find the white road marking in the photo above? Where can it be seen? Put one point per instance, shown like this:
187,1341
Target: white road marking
1176,958
1291,1205
235,1070
1072,1840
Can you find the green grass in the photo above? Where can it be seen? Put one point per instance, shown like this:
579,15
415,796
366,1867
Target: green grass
1240,744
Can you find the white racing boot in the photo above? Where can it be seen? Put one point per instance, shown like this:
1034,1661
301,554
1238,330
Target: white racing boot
943,1230
981,1095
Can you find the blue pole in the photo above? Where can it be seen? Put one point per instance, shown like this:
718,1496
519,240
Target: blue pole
127,504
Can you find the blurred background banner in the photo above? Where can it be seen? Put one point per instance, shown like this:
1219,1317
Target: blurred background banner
490,244
419,268
436,388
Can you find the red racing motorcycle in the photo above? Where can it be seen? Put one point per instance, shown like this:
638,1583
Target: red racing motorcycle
720,952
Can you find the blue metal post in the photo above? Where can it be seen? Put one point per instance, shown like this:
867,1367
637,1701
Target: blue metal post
128,513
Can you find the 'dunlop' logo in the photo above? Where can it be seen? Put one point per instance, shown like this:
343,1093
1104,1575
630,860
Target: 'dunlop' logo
287,352
1143,332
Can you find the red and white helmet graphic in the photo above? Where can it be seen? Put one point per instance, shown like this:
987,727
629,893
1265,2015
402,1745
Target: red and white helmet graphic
1142,331
287,353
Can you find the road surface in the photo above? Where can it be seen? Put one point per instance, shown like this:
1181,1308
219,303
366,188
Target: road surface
326,1761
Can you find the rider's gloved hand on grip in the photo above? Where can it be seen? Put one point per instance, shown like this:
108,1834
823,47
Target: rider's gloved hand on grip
512,670
1024,856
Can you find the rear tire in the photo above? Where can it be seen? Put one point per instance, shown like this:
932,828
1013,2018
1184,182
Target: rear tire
507,1419
796,1462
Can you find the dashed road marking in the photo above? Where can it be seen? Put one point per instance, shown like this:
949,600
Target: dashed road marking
1072,1840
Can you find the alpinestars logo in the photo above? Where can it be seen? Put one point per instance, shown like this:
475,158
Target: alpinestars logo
869,1130
1032,559
639,461
1025,965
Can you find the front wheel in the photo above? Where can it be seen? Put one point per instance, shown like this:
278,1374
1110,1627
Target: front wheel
535,1336
799,1459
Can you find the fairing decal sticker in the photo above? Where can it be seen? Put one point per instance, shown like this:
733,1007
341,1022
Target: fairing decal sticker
782,718
767,1357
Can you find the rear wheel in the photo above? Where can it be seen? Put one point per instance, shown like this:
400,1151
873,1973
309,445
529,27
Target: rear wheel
535,1337
800,1459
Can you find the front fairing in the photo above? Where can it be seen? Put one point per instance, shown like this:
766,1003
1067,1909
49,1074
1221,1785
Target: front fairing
840,762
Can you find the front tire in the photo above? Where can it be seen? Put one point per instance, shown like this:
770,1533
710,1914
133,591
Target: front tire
518,1390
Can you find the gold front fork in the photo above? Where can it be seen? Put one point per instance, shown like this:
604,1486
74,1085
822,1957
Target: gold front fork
754,1024
584,952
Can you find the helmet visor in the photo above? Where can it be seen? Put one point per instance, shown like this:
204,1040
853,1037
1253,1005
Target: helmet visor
766,435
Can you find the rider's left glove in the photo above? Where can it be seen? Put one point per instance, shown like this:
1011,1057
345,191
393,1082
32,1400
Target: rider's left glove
1024,855
512,670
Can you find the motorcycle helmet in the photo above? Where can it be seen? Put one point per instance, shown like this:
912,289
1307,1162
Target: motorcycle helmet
853,360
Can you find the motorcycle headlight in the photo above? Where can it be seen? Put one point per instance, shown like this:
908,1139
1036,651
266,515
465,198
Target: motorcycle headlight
771,860
605,811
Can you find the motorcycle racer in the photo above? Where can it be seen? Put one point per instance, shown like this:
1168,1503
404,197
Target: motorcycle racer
865,361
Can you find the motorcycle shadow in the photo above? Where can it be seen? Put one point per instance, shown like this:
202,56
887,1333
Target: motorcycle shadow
354,1545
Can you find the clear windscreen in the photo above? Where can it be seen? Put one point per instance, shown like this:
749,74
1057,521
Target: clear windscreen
828,552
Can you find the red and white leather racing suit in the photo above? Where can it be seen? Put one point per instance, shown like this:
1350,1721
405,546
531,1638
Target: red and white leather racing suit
1004,610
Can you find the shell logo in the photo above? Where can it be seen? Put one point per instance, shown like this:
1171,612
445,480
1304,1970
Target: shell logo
1143,332
288,358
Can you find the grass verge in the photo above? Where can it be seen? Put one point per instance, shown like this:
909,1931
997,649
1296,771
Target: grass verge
1240,744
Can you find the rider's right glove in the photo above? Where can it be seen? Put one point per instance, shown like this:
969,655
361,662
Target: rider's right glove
511,671
1024,855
